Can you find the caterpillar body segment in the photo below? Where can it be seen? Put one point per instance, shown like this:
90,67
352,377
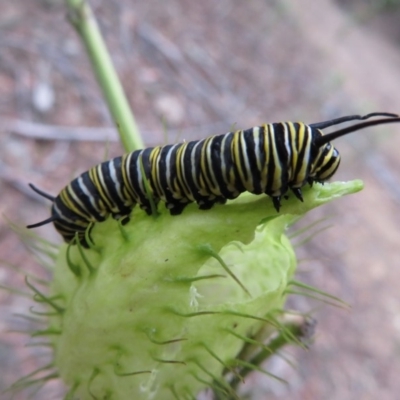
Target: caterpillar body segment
270,159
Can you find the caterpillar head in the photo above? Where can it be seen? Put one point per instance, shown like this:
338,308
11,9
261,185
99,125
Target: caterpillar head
326,158
67,231
326,163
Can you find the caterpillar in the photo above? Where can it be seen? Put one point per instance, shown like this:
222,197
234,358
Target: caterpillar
269,159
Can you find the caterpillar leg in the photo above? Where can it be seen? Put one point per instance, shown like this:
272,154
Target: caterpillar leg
221,200
147,208
176,208
297,192
276,200
124,219
206,204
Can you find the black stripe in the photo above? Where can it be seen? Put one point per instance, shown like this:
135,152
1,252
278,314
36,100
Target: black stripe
283,155
198,168
252,156
208,166
91,187
87,208
187,163
177,184
237,163
216,162
162,172
111,186
328,164
302,152
135,174
230,165
271,160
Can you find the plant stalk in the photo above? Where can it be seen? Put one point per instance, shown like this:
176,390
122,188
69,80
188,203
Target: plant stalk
82,18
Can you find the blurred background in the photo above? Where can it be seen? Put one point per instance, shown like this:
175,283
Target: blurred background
193,69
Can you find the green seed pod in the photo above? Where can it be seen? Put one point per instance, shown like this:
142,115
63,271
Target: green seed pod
161,308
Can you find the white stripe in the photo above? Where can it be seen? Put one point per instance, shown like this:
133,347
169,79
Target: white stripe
87,193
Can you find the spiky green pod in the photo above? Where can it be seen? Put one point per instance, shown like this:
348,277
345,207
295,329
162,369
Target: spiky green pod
160,308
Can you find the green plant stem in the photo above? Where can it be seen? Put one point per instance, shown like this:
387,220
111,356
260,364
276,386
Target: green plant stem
84,21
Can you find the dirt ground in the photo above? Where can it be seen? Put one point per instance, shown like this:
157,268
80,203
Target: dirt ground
198,68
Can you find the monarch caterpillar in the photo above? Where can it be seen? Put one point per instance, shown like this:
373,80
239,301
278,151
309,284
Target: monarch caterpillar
270,159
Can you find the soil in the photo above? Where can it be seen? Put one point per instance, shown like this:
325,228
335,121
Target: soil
199,68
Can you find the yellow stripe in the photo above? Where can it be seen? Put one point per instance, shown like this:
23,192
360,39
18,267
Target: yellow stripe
305,141
181,172
127,189
264,170
96,176
213,179
302,136
317,159
67,195
328,172
205,180
155,158
238,149
294,150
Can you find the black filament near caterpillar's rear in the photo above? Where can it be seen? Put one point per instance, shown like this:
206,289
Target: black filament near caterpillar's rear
271,159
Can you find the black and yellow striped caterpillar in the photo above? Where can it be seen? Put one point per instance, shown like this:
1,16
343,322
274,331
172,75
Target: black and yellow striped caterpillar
271,159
